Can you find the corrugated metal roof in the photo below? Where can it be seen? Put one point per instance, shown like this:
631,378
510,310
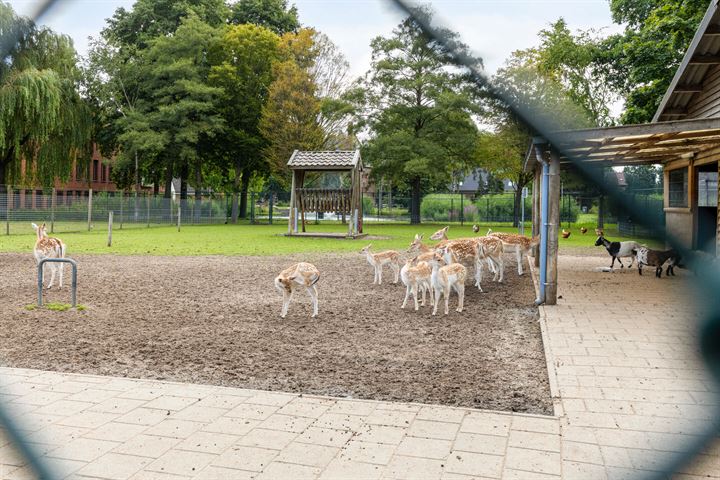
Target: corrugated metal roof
691,75
325,160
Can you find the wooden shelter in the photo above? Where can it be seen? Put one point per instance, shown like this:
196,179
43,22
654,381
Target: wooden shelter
345,201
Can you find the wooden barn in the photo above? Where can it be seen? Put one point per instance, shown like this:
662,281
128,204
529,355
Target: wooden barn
684,137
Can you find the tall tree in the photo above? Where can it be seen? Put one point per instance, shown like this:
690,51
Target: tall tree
305,109
43,119
274,15
523,80
640,62
243,70
569,59
176,111
418,109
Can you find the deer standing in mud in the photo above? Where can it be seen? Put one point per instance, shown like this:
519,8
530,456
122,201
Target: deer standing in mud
49,247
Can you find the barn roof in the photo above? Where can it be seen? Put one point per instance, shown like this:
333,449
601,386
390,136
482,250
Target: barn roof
325,160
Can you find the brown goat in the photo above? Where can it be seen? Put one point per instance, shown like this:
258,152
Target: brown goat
657,258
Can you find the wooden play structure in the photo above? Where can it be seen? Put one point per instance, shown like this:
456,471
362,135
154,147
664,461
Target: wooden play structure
345,202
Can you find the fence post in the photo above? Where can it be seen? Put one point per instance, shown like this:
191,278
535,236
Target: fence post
178,217
147,216
270,216
52,211
110,224
8,195
122,200
90,195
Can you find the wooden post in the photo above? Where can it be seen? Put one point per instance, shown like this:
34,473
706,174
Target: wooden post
353,191
291,216
178,218
110,224
147,204
553,230
536,212
52,210
89,209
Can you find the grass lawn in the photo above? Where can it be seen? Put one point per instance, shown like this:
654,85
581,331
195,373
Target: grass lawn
257,239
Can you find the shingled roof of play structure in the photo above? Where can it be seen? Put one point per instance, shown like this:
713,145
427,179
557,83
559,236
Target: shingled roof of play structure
325,160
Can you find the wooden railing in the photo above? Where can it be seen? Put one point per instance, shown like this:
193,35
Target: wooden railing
324,200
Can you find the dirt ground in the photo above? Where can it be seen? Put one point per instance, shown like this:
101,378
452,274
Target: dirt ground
216,320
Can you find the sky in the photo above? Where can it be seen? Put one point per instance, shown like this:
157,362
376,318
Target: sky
492,28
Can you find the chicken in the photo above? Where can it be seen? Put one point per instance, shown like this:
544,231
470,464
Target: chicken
565,233
583,230
476,228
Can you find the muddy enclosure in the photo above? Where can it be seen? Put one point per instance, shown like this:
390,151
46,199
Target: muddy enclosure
216,320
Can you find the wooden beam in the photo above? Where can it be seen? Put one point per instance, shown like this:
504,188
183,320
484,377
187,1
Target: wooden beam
704,60
687,88
675,112
553,230
712,30
677,126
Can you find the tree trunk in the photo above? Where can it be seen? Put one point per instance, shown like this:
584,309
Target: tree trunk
3,176
244,187
415,202
517,205
168,181
236,188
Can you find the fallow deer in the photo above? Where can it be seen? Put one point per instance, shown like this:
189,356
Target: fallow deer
416,276
301,274
49,247
490,249
377,260
520,243
445,278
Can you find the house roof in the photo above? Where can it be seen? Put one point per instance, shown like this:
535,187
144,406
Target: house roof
701,60
325,160
647,143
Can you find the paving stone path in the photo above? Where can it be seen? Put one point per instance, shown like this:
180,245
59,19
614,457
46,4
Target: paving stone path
628,388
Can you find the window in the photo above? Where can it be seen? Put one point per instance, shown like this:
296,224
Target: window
707,189
678,187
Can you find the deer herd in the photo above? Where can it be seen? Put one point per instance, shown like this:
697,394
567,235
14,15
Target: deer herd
430,270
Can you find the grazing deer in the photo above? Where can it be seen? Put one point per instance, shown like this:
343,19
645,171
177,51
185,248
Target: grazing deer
416,276
299,275
377,260
48,247
445,278
520,243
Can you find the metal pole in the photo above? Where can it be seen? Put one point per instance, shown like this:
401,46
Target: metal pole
271,207
178,217
462,210
252,208
90,195
52,211
110,224
147,216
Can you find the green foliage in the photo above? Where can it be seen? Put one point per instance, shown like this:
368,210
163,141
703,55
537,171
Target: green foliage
569,59
643,176
418,110
57,307
640,62
42,117
290,117
271,14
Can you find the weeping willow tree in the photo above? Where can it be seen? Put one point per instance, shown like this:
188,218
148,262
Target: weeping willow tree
44,123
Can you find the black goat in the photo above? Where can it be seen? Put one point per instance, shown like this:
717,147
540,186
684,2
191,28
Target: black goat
657,258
